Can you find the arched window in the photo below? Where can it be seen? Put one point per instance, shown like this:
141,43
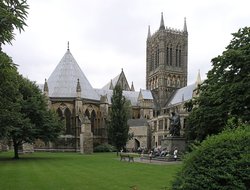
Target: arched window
60,114
171,56
180,57
93,121
157,57
67,114
87,113
167,57
176,56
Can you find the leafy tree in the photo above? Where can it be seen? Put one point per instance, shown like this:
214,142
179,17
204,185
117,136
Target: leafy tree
13,14
221,162
30,119
117,127
23,110
226,91
9,93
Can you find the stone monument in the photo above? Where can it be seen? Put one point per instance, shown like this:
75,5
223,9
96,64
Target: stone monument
174,141
86,137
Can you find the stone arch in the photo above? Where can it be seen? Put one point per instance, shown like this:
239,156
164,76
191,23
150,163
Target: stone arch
173,81
178,81
68,121
137,144
93,121
59,113
171,55
87,113
169,80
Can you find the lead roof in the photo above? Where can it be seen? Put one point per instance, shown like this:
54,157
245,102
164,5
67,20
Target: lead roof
63,80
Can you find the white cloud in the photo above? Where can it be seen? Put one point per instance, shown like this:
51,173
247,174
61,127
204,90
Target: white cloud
108,35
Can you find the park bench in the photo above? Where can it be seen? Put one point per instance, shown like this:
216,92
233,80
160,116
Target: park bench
127,155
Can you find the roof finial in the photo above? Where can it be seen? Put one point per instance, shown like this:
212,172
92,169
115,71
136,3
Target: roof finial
68,46
45,87
78,86
162,26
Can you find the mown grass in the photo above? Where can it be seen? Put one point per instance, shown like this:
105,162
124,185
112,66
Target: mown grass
73,171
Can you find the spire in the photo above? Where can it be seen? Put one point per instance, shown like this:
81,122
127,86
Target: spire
132,87
149,33
162,26
198,79
185,25
111,86
45,87
78,86
68,46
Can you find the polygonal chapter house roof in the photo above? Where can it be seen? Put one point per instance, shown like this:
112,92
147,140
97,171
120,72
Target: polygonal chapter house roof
62,83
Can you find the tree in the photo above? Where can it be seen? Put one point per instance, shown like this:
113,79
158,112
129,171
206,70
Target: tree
226,91
117,127
220,162
24,116
9,94
30,118
13,14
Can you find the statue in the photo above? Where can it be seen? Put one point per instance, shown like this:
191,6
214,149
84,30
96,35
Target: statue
175,125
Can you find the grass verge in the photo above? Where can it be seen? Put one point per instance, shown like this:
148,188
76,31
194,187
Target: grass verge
73,171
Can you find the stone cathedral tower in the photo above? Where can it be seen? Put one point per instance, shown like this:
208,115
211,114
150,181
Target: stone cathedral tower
167,60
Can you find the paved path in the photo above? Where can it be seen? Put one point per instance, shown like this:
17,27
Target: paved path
146,161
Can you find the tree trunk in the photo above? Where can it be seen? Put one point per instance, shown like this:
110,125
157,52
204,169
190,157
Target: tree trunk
16,156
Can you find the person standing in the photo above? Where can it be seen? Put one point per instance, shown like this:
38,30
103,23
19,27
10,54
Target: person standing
175,154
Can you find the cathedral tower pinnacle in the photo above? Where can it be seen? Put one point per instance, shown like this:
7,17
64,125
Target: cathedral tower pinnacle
162,26
149,33
185,25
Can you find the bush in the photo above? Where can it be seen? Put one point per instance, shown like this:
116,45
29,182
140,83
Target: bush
221,162
104,148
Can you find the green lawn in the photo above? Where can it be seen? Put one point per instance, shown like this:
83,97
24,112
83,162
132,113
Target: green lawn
104,171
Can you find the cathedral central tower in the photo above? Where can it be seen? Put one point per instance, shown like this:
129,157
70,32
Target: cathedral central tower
167,60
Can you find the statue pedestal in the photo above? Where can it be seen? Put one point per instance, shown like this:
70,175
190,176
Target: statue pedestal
86,138
174,142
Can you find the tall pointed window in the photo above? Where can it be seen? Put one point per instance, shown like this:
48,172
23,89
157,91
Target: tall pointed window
67,114
176,57
167,57
179,57
157,57
152,61
93,122
170,56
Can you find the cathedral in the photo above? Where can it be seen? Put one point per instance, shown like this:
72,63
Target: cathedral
72,96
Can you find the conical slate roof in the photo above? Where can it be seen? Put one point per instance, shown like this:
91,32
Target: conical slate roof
63,80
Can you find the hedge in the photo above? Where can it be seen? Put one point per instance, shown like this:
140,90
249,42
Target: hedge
221,162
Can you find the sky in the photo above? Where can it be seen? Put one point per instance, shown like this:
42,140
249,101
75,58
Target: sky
106,36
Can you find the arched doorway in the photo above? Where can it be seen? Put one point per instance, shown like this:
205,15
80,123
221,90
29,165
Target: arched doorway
137,144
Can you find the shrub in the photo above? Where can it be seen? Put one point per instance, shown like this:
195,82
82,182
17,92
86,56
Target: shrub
104,148
221,162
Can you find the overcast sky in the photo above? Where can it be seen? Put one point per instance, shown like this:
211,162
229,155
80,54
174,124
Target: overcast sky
108,35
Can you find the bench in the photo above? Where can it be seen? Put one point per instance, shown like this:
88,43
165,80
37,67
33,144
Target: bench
127,155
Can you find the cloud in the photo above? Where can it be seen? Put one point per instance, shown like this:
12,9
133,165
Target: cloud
108,35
